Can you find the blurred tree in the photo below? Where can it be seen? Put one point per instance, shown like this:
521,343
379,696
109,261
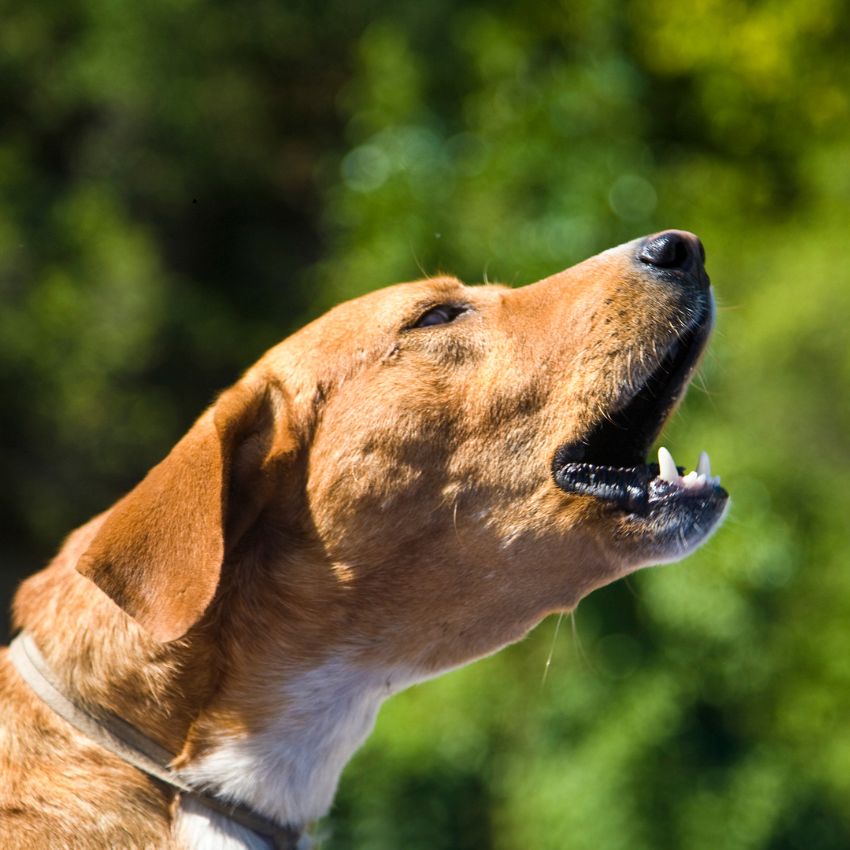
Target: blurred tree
182,184
158,212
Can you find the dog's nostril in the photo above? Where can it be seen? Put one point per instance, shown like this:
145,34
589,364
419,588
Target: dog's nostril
673,249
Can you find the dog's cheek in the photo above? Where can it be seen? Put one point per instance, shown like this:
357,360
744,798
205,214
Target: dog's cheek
376,469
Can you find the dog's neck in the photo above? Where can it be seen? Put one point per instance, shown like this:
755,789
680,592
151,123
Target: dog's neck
268,699
275,738
287,764
265,710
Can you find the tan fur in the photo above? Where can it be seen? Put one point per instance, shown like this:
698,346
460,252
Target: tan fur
361,484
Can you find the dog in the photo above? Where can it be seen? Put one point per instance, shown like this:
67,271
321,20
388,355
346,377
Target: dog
407,484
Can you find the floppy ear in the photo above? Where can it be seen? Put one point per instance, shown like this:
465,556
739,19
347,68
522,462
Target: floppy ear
159,552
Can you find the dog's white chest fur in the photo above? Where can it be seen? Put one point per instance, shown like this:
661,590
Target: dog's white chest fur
290,769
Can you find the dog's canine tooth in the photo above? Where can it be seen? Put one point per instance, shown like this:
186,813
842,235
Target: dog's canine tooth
696,478
667,466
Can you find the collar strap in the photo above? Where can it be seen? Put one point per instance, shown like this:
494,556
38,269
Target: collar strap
132,746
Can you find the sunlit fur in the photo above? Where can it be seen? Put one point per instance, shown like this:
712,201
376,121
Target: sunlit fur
369,505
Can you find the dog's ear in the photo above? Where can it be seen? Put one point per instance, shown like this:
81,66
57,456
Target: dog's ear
159,552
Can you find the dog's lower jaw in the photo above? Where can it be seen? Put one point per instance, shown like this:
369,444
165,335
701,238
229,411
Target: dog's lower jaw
289,767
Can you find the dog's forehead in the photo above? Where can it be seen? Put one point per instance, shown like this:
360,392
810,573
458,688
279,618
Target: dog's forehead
393,304
357,328
361,328
376,312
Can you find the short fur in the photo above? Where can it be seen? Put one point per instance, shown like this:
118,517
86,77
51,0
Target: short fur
369,505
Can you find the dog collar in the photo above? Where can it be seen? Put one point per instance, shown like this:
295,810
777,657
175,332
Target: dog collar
134,747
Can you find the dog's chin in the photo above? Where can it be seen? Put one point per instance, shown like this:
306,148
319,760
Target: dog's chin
661,513
676,521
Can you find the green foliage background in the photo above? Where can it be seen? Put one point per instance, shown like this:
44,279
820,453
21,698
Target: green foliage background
183,182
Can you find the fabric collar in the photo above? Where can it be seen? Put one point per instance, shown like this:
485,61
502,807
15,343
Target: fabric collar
132,746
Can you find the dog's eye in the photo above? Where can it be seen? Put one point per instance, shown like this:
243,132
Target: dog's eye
441,315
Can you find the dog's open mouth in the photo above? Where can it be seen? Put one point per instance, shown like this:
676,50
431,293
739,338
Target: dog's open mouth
609,462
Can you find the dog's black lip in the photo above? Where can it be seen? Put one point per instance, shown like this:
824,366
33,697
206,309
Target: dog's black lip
635,490
625,486
608,463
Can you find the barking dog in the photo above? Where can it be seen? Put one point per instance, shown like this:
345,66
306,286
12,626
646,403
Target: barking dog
410,482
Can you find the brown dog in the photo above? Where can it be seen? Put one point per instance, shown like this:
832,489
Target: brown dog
407,484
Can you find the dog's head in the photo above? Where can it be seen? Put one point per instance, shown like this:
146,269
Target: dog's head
441,463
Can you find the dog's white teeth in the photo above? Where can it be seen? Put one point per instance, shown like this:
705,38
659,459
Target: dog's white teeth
697,478
693,479
667,466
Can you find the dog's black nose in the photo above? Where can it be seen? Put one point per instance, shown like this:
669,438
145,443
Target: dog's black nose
676,250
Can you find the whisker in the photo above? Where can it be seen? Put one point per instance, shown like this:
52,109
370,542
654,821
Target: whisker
417,260
630,587
552,649
579,647
454,522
